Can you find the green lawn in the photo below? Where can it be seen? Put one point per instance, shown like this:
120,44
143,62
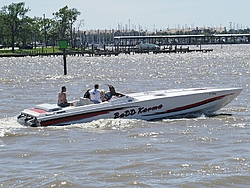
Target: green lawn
34,50
20,51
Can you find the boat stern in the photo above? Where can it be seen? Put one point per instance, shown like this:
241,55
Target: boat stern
27,120
30,117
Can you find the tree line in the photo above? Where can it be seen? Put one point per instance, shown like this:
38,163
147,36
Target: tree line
18,29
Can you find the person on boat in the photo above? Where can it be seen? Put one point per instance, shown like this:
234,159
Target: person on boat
87,94
108,95
95,94
62,99
102,95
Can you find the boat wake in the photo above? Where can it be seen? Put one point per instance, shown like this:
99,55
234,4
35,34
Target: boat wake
9,126
102,125
9,122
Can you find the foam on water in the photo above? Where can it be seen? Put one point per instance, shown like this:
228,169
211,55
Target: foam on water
9,126
101,125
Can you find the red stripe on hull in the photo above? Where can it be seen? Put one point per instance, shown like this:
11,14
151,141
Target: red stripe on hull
191,105
40,111
71,118
75,117
196,104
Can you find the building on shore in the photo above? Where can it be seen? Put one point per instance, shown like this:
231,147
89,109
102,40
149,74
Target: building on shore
184,36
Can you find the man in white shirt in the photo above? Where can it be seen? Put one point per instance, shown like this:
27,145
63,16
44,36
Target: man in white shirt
95,94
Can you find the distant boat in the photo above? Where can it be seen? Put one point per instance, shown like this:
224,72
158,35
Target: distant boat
147,46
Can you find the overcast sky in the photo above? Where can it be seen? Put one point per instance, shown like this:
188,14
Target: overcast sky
148,14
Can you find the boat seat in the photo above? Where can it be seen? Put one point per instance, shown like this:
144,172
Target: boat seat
85,101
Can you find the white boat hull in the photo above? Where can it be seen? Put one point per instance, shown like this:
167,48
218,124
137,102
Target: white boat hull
144,105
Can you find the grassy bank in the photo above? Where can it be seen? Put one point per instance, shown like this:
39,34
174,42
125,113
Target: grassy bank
7,52
29,51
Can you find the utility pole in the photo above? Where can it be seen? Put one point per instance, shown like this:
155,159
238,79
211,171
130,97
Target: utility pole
45,37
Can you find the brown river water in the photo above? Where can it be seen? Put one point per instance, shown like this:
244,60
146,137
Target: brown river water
186,152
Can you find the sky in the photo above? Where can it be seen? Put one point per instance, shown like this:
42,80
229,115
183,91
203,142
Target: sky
150,15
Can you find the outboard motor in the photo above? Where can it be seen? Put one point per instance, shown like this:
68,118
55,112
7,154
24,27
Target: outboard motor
26,120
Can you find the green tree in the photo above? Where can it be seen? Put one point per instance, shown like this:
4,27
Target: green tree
65,18
2,30
37,30
14,16
52,32
26,32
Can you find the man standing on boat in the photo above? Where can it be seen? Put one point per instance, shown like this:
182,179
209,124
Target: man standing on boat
95,94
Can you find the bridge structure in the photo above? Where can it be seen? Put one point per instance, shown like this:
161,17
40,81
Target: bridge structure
163,40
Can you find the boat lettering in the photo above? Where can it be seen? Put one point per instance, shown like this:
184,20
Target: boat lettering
140,110
213,93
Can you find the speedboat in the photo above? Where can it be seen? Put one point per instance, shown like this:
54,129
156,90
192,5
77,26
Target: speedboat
150,105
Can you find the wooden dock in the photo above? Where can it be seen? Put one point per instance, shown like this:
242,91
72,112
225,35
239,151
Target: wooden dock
109,52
